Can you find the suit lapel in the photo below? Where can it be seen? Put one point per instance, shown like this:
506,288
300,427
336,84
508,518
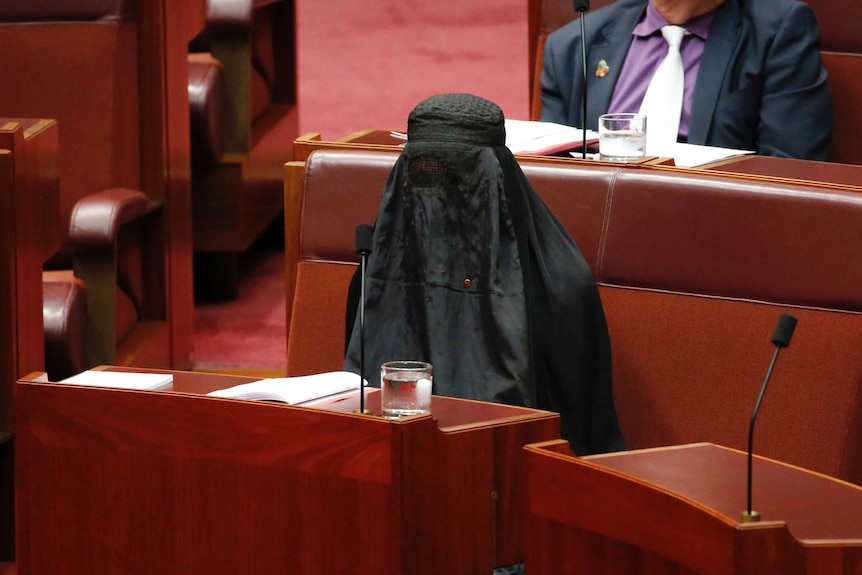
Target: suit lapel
610,46
717,53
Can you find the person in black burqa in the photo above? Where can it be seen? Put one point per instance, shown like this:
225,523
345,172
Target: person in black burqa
470,271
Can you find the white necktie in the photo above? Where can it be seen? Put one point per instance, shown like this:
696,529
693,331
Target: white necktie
662,103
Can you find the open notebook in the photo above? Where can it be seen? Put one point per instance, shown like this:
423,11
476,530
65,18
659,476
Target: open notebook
300,390
539,138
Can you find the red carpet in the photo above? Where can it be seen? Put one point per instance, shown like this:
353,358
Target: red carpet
366,65
246,335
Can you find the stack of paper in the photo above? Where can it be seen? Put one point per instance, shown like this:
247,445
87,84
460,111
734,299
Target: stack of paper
692,155
122,379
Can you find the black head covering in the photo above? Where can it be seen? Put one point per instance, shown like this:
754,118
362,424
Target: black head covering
470,271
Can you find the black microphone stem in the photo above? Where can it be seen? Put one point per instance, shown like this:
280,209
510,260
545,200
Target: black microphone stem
583,10
364,240
751,425
362,261
781,338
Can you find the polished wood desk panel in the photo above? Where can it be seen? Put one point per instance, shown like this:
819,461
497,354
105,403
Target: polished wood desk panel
825,174
182,483
677,510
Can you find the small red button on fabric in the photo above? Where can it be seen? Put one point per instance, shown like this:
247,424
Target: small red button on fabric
468,282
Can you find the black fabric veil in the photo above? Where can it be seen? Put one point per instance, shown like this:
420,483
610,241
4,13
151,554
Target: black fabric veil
470,271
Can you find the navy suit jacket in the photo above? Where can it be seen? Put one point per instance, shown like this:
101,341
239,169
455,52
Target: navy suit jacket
761,84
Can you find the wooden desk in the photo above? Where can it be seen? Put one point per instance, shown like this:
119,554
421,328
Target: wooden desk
677,509
176,482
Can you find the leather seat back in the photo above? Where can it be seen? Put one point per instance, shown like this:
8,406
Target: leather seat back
76,62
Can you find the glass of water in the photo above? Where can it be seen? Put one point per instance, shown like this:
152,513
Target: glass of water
622,137
405,388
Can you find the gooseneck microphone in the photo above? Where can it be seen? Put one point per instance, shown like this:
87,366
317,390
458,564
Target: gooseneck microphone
781,338
581,7
364,234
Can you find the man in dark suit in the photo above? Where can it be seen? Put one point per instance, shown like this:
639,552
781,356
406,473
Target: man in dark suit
754,79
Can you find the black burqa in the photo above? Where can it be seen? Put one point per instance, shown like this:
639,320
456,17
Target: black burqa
470,271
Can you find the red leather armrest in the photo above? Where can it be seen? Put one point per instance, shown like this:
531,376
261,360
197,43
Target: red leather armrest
97,218
233,14
64,314
229,14
206,108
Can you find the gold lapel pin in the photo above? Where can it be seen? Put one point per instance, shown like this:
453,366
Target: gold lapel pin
602,69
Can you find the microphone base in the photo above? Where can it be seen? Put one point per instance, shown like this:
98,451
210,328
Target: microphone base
749,517
362,411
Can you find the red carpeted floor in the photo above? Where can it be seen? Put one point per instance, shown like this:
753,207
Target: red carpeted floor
366,65
246,335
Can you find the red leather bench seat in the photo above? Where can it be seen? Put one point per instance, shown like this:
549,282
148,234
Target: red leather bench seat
694,270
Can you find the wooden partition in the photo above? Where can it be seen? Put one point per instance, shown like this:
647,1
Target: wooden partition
166,28
29,214
178,482
30,229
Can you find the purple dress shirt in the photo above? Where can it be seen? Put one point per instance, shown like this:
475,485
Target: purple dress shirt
646,52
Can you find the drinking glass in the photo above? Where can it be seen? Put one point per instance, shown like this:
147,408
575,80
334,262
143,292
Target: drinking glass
622,137
405,388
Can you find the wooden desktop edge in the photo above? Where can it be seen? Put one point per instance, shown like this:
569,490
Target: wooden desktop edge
380,140
205,382
559,448
717,168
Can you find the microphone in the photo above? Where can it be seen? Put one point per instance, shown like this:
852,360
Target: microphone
581,7
781,338
364,234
